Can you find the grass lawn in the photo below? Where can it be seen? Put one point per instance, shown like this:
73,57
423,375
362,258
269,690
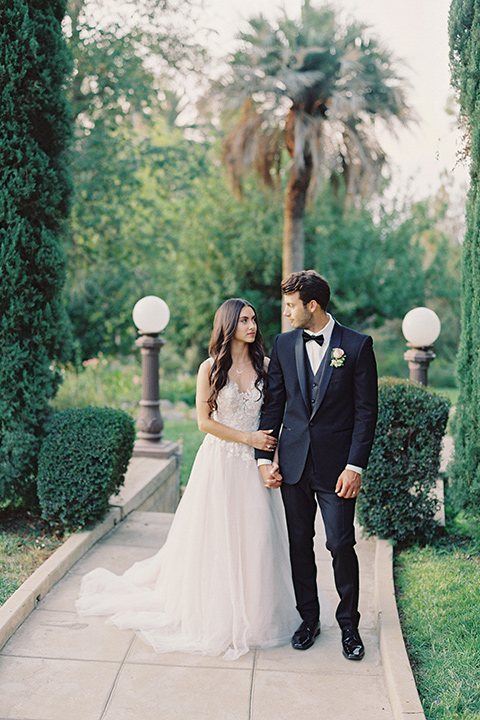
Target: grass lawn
25,544
187,433
451,393
438,596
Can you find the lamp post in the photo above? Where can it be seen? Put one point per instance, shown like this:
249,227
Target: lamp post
151,315
421,327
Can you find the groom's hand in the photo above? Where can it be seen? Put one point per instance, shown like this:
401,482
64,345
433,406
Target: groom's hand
348,484
270,475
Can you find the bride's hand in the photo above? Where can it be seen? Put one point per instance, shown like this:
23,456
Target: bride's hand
263,440
271,475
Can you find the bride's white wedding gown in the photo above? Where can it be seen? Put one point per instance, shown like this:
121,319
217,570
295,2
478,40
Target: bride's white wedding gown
222,581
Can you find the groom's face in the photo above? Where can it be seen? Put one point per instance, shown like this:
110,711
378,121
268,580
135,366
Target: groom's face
300,315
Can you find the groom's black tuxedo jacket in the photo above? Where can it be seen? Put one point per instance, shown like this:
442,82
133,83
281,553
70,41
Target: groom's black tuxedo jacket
337,419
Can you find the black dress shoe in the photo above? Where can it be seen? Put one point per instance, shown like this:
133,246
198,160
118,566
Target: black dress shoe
352,644
305,636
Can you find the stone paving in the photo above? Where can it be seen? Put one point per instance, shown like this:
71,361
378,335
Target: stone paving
59,666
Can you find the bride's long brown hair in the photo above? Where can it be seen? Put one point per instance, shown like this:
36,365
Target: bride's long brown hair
224,328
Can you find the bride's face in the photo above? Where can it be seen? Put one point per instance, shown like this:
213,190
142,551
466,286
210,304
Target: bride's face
247,325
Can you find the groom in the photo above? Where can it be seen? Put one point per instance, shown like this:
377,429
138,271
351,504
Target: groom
322,395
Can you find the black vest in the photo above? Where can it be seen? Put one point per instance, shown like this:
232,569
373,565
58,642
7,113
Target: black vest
313,381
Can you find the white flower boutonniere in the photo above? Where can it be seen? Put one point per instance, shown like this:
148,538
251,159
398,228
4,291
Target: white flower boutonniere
338,357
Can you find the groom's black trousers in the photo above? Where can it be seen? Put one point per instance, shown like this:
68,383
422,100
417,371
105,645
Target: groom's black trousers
338,514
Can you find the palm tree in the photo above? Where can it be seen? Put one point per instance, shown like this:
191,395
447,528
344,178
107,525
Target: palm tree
317,89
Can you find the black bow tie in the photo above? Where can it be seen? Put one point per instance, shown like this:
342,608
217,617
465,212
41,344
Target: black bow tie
317,338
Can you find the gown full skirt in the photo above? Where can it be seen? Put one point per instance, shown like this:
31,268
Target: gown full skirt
221,583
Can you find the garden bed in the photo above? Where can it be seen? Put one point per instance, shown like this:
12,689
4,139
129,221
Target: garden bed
25,543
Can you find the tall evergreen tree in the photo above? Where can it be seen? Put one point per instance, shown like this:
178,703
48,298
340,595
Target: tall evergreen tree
464,29
34,202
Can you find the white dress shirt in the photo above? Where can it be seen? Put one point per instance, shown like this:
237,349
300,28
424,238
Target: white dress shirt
316,352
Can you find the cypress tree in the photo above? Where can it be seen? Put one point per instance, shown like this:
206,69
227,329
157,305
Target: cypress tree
35,187
464,31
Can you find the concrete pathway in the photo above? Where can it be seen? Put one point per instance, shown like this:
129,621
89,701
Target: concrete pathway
59,666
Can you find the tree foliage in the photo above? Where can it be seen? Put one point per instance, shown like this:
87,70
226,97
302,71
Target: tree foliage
126,58
34,202
187,239
464,29
181,235
318,89
153,215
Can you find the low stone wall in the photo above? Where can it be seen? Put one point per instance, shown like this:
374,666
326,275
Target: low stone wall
151,484
402,690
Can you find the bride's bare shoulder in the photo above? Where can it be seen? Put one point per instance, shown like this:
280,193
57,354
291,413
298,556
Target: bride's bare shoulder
266,362
206,365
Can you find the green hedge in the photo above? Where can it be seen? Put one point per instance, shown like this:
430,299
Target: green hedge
397,501
464,31
82,462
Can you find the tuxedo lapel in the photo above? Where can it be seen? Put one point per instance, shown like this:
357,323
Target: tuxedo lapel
300,363
335,341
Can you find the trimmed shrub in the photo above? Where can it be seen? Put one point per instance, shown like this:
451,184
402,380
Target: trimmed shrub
397,499
82,462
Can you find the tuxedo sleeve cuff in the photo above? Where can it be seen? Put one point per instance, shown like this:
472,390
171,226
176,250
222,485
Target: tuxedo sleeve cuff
355,468
263,461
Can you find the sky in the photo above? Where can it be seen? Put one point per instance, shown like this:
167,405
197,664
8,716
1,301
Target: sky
416,32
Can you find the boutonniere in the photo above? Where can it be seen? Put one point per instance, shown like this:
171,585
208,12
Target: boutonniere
338,357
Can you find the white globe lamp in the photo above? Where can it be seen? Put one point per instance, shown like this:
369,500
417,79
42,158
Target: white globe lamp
151,315
421,327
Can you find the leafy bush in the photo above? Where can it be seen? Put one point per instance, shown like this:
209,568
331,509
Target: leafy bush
117,381
82,462
179,388
397,499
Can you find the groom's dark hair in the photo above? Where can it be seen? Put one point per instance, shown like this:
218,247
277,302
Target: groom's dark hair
309,285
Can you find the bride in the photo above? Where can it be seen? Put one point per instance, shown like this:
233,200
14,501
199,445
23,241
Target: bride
221,583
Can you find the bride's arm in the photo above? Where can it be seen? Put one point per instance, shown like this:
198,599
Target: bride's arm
261,439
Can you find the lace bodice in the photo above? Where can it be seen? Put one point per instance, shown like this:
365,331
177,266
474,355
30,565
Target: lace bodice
240,410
